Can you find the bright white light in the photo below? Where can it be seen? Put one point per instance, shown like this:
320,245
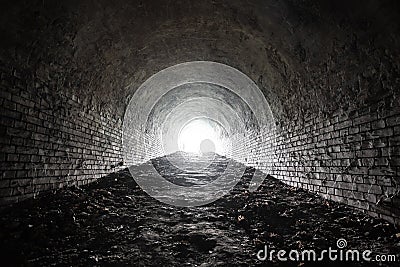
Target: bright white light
198,130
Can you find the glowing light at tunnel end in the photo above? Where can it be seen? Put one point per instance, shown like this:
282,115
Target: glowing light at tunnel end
140,145
196,132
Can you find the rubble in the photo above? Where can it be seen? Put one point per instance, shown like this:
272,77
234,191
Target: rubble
112,222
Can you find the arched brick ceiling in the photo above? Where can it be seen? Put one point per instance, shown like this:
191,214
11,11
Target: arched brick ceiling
306,56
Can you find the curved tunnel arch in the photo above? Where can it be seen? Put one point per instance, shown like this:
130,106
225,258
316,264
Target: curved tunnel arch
316,62
190,90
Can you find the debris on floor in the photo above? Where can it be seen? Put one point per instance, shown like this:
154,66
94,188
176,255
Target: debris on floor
112,222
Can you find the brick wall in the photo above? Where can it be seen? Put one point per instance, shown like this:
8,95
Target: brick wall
139,146
350,157
50,140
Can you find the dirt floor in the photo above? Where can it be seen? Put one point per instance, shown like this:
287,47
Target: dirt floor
112,222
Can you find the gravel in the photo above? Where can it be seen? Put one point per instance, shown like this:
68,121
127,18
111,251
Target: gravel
112,222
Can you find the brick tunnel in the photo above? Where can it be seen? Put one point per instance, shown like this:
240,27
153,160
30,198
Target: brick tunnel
199,133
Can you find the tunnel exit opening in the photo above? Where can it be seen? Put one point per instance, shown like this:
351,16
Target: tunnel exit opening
201,136
163,114
186,113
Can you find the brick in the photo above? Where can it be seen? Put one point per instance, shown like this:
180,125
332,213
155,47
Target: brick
365,127
394,161
374,189
35,158
19,125
368,162
384,180
7,148
396,130
18,132
369,180
22,101
4,183
382,142
370,197
367,153
40,137
356,194
346,186
382,132
379,124
383,171
12,157
9,105
22,173
5,95
364,119
338,199
358,170
392,121
22,109
338,192
383,161
20,182
342,125
27,150
24,158
5,121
